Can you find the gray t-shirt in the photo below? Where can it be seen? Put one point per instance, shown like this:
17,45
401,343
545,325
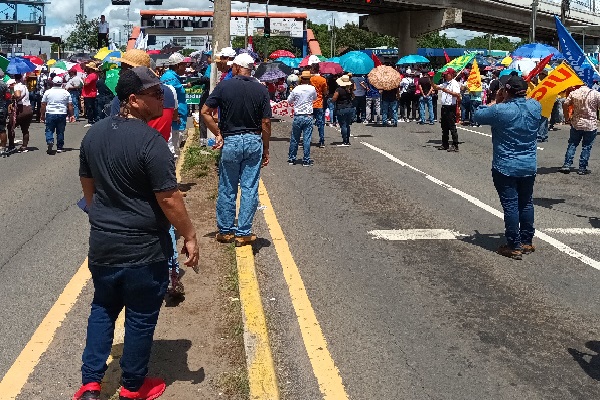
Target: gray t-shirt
359,90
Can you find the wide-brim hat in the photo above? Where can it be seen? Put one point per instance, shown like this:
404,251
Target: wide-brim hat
305,75
135,58
344,80
91,65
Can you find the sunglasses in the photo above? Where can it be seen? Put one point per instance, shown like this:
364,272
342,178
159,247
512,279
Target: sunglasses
157,94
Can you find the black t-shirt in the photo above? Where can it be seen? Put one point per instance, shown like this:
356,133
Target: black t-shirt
389,95
344,99
129,162
425,83
494,87
243,102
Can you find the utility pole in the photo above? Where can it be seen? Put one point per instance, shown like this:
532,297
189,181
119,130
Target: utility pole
266,37
565,7
81,8
221,34
534,8
247,23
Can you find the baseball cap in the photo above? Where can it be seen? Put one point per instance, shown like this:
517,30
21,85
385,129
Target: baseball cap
226,52
243,60
514,84
135,58
313,60
449,71
57,80
135,80
176,58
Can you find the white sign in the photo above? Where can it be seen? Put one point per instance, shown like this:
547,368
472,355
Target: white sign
238,27
287,27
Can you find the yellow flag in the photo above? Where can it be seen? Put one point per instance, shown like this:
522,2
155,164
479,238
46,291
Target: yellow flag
474,80
546,92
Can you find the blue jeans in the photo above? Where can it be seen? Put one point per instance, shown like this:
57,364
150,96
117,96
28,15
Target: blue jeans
240,164
319,115
302,125
345,117
465,108
422,101
174,260
516,197
90,109
56,123
331,107
141,291
75,94
474,105
542,135
575,138
389,109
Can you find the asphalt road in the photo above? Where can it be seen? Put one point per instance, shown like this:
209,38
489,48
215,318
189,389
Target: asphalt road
432,319
43,235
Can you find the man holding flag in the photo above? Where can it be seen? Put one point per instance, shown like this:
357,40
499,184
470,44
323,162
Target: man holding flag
450,93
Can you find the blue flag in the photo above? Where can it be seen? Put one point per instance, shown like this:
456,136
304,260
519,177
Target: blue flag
575,56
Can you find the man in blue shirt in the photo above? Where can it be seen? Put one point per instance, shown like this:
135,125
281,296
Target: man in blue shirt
172,77
515,122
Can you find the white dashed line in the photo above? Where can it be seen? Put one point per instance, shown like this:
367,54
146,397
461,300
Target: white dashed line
575,231
416,234
484,134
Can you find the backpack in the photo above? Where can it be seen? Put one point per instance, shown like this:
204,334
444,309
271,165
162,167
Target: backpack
411,88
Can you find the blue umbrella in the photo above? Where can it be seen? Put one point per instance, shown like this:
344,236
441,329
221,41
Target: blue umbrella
115,54
509,71
412,59
19,65
357,62
291,62
252,54
536,50
334,59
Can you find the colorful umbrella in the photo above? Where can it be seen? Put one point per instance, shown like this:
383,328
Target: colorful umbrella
19,65
281,53
327,67
506,60
102,53
357,62
35,59
112,77
384,77
153,51
304,61
272,71
112,54
525,65
334,59
536,50
60,65
290,62
50,62
4,63
412,59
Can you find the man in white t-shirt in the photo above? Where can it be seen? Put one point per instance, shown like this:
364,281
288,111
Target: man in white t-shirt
449,92
73,86
56,107
302,98
102,32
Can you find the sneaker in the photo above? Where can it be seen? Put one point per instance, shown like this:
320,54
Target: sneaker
225,237
515,254
89,391
246,240
365,122
291,162
60,150
23,149
442,147
321,145
394,125
584,171
527,249
176,288
565,169
308,163
344,145
50,146
87,125
453,149
421,122
152,389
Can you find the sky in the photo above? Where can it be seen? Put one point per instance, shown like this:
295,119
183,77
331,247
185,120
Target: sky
59,22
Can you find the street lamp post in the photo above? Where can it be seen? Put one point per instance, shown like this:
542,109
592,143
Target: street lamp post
247,23
534,9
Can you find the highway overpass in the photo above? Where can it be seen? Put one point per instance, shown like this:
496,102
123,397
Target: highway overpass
409,19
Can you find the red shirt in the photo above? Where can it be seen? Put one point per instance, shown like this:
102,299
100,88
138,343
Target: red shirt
89,85
163,123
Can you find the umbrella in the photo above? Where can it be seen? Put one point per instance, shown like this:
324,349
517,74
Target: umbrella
112,77
64,65
304,61
281,53
506,60
384,77
357,62
110,55
102,53
290,62
153,51
481,61
525,65
334,59
50,61
536,50
272,71
19,65
79,57
509,71
35,59
327,67
412,59
252,54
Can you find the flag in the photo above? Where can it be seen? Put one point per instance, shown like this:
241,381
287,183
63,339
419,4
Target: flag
447,56
4,63
458,64
474,80
539,67
573,54
546,92
250,44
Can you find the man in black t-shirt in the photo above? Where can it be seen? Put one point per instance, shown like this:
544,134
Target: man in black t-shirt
243,135
425,89
128,178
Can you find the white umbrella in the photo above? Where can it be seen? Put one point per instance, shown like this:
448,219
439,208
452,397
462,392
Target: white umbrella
525,65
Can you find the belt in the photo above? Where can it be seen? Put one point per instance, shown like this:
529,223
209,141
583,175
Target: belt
303,115
241,133
451,105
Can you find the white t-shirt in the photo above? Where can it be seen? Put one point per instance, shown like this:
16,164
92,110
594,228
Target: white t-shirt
57,100
74,83
447,99
404,84
302,98
102,27
21,87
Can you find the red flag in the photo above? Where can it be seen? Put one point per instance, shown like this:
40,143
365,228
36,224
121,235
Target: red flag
376,60
539,67
447,56
250,44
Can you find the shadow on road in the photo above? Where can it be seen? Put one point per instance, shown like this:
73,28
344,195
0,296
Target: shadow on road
589,362
488,241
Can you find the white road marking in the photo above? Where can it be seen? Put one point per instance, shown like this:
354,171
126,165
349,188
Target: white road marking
539,234
416,234
484,134
575,231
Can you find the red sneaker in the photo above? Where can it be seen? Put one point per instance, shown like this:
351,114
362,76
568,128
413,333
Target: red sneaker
89,391
151,389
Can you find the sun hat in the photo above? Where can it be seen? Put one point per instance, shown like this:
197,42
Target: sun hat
91,65
344,80
313,60
244,60
57,80
228,52
305,75
135,80
135,58
176,58
408,71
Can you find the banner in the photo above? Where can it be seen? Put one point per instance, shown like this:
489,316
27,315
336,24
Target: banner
193,94
474,80
546,92
282,109
574,55
447,57
458,64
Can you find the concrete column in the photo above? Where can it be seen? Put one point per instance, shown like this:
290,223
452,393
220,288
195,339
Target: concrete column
406,43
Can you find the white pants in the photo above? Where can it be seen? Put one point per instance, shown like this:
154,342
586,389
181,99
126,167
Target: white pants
174,142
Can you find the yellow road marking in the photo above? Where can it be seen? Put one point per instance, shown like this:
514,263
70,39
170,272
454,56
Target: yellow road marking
19,372
327,374
261,369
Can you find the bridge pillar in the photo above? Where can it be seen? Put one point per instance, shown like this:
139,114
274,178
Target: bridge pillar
408,26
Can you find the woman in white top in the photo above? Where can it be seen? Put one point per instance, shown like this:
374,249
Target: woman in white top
24,111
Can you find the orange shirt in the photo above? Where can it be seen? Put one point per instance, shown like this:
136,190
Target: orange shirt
320,85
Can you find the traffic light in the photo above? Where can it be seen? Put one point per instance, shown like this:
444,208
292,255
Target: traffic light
121,2
267,30
153,2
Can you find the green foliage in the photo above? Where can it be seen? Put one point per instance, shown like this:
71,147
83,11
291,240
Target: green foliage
198,161
272,43
437,41
187,52
85,34
497,43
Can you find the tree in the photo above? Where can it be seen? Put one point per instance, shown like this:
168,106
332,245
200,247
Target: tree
272,43
435,41
349,36
186,52
497,43
85,34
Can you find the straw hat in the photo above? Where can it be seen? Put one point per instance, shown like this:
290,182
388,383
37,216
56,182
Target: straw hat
91,65
344,80
135,58
305,75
